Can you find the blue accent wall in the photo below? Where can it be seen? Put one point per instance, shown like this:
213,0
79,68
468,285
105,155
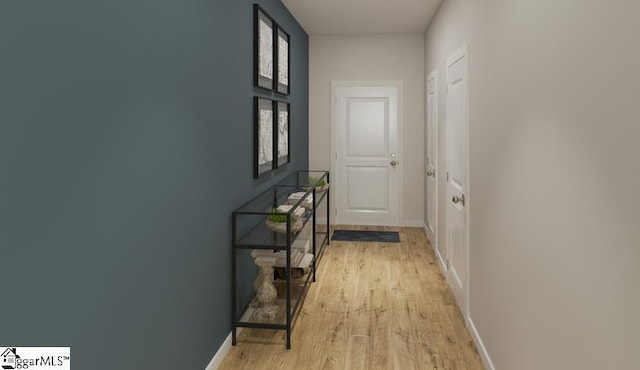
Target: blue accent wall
126,133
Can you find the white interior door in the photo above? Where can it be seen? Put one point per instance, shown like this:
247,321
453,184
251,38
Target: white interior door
457,179
431,221
366,159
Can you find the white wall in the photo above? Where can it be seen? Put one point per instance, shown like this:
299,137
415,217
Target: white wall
360,58
555,160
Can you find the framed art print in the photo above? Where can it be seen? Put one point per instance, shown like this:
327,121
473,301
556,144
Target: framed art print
282,61
264,48
263,137
282,132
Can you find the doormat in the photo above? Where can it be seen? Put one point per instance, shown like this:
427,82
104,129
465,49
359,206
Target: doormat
366,236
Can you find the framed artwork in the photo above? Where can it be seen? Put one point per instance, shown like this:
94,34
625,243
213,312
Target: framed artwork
264,48
263,137
282,132
282,61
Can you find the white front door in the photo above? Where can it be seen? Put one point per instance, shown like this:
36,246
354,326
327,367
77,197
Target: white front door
431,165
366,161
457,180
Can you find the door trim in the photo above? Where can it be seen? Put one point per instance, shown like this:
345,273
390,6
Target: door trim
463,52
399,85
434,76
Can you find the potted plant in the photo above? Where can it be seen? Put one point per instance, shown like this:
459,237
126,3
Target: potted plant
318,183
277,221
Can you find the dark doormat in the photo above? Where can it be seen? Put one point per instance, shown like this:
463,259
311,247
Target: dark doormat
366,236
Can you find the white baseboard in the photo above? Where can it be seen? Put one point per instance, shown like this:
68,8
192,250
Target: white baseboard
404,223
484,355
412,223
441,262
216,361
219,356
486,360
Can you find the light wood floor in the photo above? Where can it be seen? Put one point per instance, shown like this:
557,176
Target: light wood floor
374,306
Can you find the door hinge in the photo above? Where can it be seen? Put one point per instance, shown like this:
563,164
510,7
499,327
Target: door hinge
447,176
336,155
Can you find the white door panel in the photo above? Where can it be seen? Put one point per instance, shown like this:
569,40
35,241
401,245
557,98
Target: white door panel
367,159
431,168
456,201
367,128
368,189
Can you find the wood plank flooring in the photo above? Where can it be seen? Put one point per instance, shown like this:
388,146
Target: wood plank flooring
374,306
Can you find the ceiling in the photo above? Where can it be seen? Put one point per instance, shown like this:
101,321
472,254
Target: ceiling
324,17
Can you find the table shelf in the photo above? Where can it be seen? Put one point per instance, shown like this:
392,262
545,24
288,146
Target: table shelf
250,231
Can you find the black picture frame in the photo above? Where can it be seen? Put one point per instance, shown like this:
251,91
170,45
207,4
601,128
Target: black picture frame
264,48
282,127
282,61
264,136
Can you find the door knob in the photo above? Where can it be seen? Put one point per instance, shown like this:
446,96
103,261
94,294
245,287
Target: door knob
393,163
457,199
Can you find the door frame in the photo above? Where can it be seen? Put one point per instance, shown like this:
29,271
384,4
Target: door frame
435,243
463,52
399,86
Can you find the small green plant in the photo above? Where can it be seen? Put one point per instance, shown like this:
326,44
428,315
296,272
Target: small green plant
280,217
316,182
